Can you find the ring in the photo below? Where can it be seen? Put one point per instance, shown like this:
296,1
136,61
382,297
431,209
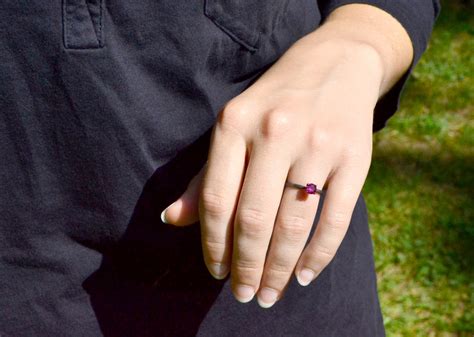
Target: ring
310,188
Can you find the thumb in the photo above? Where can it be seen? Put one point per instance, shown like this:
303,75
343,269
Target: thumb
185,210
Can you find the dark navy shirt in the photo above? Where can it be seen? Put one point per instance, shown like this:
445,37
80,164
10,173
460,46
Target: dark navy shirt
105,112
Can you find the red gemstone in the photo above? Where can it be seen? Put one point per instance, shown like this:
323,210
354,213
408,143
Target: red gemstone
310,188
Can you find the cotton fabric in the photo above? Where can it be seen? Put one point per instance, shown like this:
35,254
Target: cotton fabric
106,109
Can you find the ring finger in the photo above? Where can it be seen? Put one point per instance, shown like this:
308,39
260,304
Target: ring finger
292,227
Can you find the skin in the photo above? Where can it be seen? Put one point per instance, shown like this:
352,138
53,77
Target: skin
306,119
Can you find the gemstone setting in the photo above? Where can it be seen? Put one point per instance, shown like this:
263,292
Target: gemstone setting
310,188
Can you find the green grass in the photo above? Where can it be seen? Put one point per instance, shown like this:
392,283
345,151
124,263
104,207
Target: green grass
420,190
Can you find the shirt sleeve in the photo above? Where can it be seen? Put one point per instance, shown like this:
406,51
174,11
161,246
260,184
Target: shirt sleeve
417,17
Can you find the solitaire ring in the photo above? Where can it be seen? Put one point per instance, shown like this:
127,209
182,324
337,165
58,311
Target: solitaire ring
310,188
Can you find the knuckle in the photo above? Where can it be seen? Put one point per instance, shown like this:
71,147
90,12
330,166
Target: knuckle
336,221
320,139
293,227
276,125
213,202
323,254
247,267
352,152
355,156
233,114
214,246
252,222
279,270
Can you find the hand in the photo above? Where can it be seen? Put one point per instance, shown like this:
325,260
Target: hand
307,119
314,128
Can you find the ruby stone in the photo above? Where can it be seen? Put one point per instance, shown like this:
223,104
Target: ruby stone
310,188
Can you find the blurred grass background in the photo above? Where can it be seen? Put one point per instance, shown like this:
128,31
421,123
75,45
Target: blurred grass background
419,191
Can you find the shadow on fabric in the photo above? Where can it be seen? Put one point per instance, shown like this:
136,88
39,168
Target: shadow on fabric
154,281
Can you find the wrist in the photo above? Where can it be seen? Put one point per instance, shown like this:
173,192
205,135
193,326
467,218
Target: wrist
345,58
360,29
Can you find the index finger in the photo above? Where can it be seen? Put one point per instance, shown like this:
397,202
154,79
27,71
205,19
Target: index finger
218,196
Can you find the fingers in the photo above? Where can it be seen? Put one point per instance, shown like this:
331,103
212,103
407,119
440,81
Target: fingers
240,201
218,198
292,227
255,217
343,190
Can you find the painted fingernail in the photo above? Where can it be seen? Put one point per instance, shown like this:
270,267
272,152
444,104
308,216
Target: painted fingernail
244,293
267,297
219,270
305,277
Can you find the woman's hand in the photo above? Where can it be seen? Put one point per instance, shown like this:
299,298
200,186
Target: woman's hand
307,119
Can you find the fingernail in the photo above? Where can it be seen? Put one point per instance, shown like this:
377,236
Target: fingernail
305,277
163,216
267,297
219,270
244,293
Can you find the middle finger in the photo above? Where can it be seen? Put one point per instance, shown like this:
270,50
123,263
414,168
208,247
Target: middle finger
255,216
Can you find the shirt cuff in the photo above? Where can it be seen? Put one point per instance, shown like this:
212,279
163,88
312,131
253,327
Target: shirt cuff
417,17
